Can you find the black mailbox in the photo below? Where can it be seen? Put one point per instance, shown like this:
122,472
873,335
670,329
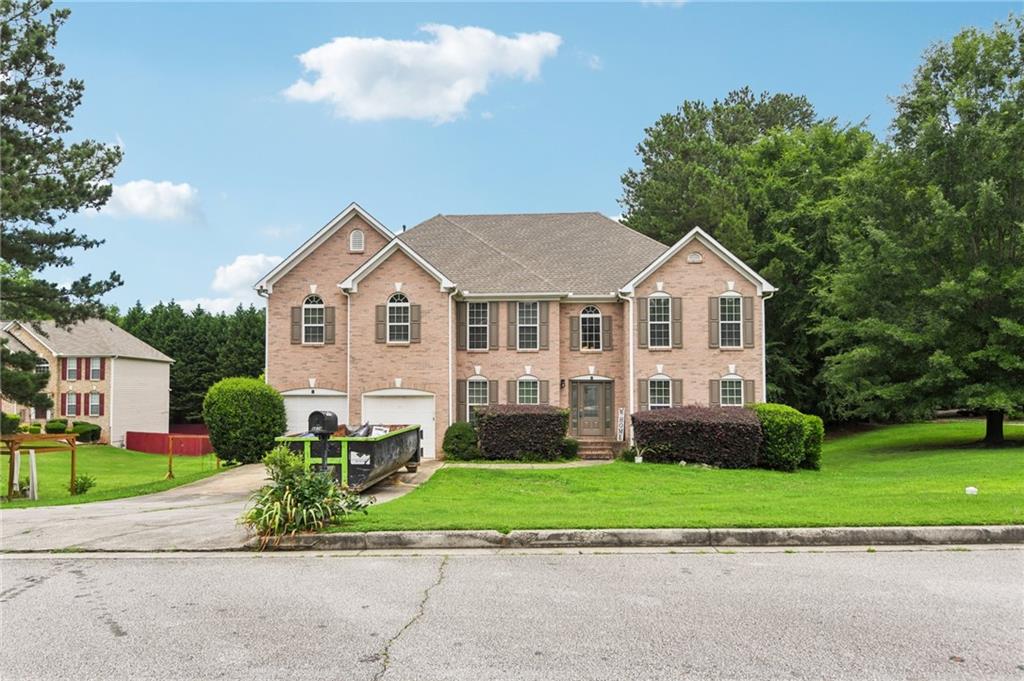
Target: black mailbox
323,423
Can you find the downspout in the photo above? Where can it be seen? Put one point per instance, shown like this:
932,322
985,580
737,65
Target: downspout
764,350
110,387
348,356
451,357
631,388
263,293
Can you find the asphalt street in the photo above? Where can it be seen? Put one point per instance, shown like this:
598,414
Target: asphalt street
751,614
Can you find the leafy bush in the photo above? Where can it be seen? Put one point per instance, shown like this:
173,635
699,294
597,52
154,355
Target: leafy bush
570,448
814,436
460,442
244,415
297,501
82,484
35,428
9,423
87,432
57,426
783,445
519,431
718,436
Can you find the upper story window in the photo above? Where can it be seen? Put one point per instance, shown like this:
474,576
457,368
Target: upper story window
528,327
659,321
477,395
659,393
71,374
731,392
356,241
528,390
730,321
313,319
95,368
478,326
42,367
590,328
398,318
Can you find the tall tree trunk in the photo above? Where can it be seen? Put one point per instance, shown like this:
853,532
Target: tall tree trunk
994,428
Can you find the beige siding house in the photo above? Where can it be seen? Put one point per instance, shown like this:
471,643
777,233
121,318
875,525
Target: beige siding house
99,373
570,309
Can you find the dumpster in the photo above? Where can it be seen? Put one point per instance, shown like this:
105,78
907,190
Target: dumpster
359,462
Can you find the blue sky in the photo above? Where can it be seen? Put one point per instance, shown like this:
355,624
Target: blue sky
236,150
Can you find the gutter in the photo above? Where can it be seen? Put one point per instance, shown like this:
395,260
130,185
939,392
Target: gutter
764,348
265,294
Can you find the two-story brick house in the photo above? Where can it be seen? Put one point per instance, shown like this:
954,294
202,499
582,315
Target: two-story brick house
570,309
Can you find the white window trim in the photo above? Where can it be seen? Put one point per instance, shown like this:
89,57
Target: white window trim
651,322
407,323
721,390
527,379
322,325
721,320
71,364
600,328
519,325
72,398
97,396
650,383
487,395
99,368
351,241
486,325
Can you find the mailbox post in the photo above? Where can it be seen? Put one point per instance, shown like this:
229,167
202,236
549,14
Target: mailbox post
323,424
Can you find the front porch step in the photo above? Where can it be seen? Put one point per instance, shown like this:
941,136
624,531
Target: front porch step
599,449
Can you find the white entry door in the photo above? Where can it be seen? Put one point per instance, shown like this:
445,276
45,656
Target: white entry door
397,406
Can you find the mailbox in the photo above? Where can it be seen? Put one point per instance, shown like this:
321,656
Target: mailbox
323,423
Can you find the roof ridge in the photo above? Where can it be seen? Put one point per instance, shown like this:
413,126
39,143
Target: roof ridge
494,248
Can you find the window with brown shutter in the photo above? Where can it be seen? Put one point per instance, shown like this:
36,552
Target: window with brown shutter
677,322
296,325
380,327
461,326
641,322
748,322
329,325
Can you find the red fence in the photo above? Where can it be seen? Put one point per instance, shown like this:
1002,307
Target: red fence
162,443
189,429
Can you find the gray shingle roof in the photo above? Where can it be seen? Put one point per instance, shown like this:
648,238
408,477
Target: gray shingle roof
580,253
95,338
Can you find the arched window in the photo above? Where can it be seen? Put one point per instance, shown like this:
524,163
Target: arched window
313,319
659,392
730,320
528,390
398,318
356,241
477,395
659,321
731,391
590,328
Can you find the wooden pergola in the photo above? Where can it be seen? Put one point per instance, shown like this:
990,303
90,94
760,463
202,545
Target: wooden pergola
61,442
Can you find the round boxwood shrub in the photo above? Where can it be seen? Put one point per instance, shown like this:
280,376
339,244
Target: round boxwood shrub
244,415
87,432
460,442
782,448
814,436
57,426
9,423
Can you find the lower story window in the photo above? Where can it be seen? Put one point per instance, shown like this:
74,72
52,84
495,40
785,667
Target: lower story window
476,396
528,393
72,404
660,393
94,404
732,392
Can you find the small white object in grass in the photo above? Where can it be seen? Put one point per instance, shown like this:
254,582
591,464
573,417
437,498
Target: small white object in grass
638,459
971,490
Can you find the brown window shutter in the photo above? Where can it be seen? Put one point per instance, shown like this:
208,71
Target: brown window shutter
542,392
492,392
460,400
513,321
63,404
749,397
677,322
80,407
542,312
296,325
748,322
103,369
574,333
510,392
492,325
713,329
81,370
381,326
642,394
677,392
329,325
606,332
641,322
714,393
63,361
461,325
102,406
414,323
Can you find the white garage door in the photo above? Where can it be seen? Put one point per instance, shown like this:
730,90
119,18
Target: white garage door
298,406
398,406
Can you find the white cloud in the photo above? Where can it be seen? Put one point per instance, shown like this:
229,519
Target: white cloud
235,281
370,79
151,200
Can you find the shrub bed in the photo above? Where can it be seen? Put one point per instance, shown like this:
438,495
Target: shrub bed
522,432
244,416
782,448
460,442
726,437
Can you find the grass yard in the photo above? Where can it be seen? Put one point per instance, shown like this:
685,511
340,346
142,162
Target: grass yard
898,475
118,472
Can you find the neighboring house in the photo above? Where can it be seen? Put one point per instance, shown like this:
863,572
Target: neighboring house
569,309
99,373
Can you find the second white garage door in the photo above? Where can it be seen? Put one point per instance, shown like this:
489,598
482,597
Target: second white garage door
402,406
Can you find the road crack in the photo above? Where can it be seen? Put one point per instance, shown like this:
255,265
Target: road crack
385,654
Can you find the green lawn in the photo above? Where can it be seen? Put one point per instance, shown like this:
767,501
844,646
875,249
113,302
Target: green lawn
899,475
118,472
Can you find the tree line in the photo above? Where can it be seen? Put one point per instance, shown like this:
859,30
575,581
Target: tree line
900,261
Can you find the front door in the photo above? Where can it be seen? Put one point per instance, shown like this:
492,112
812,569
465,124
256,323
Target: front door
590,408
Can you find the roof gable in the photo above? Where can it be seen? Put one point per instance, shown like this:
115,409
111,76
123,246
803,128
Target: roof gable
351,283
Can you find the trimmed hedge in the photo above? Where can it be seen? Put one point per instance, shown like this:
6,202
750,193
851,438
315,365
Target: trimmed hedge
244,415
460,442
521,432
87,432
9,423
570,448
814,436
57,426
783,446
726,437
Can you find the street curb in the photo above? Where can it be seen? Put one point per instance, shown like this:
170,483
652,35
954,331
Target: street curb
624,538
